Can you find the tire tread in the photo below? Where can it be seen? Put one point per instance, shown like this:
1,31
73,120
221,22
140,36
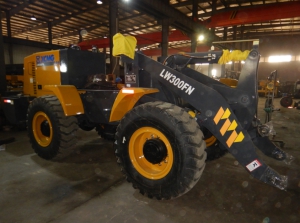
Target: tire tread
67,129
190,136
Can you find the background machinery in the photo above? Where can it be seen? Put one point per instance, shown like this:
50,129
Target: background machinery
268,87
293,92
158,120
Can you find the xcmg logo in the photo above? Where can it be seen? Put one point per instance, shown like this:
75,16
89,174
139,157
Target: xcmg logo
45,59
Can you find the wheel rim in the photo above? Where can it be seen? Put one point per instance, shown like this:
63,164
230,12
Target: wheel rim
141,141
42,129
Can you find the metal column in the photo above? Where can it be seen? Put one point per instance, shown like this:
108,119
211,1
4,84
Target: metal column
194,36
10,45
113,29
50,32
234,33
165,35
165,38
2,63
79,37
223,68
225,33
213,11
233,38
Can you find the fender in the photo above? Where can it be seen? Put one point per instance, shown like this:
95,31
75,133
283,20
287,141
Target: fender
126,99
69,98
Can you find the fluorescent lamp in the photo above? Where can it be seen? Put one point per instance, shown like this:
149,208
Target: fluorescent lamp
281,58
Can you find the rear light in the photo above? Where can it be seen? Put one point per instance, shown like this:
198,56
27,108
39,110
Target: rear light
8,101
127,91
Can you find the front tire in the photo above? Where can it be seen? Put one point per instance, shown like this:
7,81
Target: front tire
160,149
51,133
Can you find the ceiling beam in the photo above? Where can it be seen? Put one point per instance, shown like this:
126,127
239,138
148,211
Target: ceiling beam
272,33
142,39
174,50
239,16
58,21
258,27
19,8
161,10
182,4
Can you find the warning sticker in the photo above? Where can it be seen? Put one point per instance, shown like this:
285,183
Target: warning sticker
130,78
253,165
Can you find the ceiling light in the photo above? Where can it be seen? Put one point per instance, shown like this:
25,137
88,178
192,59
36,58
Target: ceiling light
33,17
83,32
99,2
200,37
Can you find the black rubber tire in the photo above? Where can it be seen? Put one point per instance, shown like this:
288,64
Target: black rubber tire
86,126
64,128
106,131
286,101
187,145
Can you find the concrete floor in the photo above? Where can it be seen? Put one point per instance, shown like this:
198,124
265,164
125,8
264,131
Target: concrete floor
88,186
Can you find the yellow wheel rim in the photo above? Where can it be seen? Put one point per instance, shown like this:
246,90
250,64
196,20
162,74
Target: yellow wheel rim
136,154
210,141
42,138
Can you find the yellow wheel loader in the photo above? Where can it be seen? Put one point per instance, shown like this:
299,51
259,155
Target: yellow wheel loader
160,143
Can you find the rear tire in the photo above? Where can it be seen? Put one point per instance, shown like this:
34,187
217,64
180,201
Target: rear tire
286,101
84,123
51,133
160,149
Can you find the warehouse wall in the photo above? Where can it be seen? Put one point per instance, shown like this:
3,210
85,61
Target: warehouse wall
289,71
281,45
20,52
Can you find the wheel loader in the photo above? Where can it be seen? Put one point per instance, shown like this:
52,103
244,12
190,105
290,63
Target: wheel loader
162,120
159,142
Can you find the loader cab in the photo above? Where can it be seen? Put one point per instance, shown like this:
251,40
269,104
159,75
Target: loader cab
60,67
